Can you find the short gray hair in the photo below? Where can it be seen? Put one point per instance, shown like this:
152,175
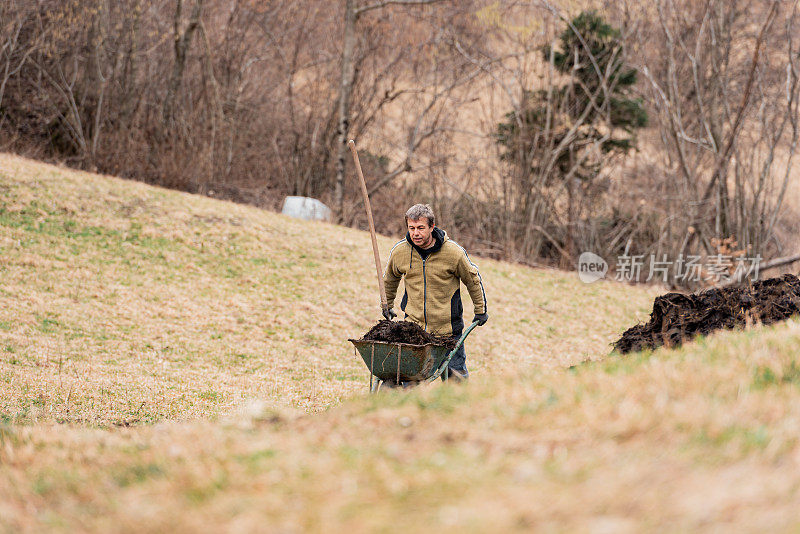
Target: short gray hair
419,211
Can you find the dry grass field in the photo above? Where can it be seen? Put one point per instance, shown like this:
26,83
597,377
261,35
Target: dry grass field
174,363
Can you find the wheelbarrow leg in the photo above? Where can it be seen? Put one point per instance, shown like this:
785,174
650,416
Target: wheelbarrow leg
374,386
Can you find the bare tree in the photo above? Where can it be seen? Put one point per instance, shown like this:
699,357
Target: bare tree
352,13
182,39
728,120
14,52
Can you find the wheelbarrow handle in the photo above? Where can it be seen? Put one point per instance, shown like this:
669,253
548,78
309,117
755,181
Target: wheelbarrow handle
446,361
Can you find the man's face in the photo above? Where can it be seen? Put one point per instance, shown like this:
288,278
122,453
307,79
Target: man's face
420,232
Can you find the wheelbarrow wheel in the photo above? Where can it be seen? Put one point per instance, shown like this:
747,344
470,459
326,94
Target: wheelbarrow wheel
383,385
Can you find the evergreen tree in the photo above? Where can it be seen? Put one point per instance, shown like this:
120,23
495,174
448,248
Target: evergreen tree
574,127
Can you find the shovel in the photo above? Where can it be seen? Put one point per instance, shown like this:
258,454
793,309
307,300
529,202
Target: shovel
384,304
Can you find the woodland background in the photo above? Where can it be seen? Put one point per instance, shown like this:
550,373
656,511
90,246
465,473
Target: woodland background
537,130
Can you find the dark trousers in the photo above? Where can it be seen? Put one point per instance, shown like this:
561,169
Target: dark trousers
458,362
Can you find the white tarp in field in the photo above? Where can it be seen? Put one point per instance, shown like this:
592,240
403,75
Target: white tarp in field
306,208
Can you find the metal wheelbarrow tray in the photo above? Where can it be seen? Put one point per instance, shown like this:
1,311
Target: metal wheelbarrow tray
403,362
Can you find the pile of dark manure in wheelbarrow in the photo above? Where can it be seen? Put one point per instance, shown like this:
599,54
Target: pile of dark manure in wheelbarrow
406,332
677,318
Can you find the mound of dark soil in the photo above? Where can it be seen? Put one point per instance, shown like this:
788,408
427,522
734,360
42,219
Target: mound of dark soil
406,332
676,317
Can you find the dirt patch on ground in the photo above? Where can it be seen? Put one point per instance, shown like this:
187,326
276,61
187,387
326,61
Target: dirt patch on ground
677,317
406,332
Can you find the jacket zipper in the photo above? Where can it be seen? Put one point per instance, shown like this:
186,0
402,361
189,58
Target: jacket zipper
424,295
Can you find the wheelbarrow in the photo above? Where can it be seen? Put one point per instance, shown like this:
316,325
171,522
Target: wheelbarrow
405,364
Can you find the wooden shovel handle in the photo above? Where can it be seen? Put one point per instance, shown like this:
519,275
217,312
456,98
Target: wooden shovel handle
352,145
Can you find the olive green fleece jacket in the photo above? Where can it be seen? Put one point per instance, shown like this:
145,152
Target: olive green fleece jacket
432,296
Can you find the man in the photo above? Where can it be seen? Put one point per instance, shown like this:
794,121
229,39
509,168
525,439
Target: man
434,267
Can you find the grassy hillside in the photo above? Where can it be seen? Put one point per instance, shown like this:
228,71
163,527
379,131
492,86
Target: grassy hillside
173,363
123,303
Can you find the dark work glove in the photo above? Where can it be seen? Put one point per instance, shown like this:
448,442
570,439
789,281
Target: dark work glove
481,318
389,314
